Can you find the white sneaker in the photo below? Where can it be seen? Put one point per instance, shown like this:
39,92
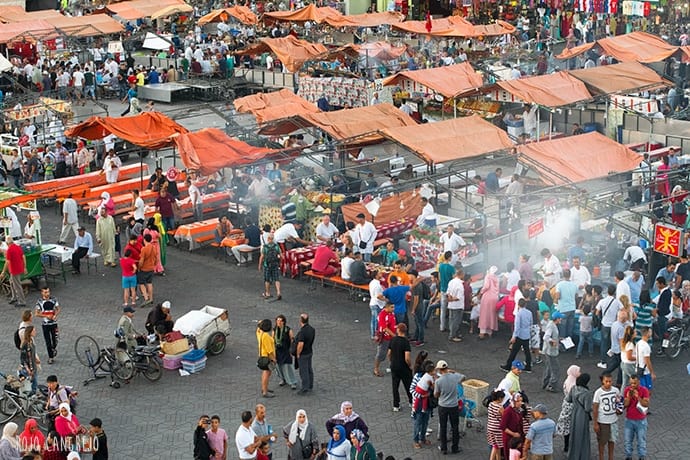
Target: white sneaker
388,370
601,366
396,409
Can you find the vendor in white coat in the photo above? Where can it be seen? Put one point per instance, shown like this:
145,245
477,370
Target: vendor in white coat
452,242
15,226
364,236
529,120
428,216
111,166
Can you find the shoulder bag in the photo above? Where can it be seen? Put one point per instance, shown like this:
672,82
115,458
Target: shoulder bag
639,370
307,449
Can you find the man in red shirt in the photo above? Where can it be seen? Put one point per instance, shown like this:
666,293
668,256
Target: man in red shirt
165,205
636,402
15,263
325,260
385,333
134,247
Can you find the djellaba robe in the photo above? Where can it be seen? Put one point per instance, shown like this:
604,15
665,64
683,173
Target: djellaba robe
581,398
105,233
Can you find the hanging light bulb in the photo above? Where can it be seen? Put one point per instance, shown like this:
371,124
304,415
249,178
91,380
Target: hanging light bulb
402,205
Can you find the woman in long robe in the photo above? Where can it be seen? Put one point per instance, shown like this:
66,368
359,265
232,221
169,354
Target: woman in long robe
488,316
581,399
163,236
511,423
105,236
563,425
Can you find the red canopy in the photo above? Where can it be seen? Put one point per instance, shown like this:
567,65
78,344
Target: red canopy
310,12
291,51
151,130
635,46
210,149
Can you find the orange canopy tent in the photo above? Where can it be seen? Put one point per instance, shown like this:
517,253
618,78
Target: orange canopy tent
635,46
449,81
210,149
15,13
455,26
171,10
308,13
365,20
151,130
291,51
239,12
449,140
551,90
580,158
389,209
273,106
27,30
136,9
359,124
619,78
497,28
381,51
86,26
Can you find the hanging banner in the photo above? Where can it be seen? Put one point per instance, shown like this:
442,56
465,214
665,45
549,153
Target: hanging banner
668,240
535,228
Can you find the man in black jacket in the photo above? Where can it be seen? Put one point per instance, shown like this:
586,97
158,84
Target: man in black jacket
202,449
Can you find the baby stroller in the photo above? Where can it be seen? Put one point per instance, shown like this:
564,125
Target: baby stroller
467,409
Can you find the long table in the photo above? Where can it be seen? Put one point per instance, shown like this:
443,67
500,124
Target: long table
123,201
212,203
92,179
194,231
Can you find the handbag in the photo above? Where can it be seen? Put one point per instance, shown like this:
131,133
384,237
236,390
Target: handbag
263,362
307,450
640,371
362,245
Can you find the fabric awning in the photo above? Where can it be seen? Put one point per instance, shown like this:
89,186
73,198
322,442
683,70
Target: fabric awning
15,13
309,13
618,78
389,209
210,149
291,51
551,90
273,106
239,12
136,9
635,46
382,51
30,31
459,138
450,81
365,20
86,26
455,26
579,158
151,130
361,124
171,10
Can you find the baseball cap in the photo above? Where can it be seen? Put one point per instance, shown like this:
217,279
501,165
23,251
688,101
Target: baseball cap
557,315
360,215
128,310
540,408
441,364
166,304
413,272
518,365
402,252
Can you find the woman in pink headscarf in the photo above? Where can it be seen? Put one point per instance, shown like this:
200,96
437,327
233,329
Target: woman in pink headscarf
563,425
488,316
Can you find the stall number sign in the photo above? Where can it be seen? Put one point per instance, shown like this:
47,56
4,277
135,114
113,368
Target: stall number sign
667,240
535,228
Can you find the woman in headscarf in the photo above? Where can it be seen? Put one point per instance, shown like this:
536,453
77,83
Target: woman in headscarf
338,447
361,448
152,229
83,158
679,210
422,388
563,425
107,203
163,236
488,316
283,337
511,423
66,423
9,444
301,438
27,356
581,399
348,419
31,438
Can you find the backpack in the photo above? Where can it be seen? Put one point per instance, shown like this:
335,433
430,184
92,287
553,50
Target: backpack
71,396
17,340
272,258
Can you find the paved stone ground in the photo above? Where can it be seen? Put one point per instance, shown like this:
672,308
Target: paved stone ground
156,420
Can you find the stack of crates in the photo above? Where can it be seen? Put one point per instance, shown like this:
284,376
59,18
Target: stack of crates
194,361
173,362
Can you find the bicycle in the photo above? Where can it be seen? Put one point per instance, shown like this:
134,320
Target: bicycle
16,400
143,359
111,362
677,338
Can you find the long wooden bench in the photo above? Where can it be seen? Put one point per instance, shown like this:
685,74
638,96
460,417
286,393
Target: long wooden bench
336,281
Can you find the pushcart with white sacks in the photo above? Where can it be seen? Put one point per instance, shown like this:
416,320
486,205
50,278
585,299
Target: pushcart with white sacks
208,328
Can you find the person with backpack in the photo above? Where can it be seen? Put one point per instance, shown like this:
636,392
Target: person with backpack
269,262
58,394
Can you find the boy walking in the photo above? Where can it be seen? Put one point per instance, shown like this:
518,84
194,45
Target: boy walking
550,352
605,410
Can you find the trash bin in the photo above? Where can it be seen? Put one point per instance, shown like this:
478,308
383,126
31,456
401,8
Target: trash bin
476,390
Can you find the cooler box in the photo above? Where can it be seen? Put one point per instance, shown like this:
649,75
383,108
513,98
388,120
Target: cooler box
194,361
476,390
173,362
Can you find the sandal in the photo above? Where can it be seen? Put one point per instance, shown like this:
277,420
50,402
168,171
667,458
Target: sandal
378,374
266,296
426,442
417,445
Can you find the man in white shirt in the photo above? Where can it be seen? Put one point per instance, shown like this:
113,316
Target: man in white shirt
70,218
512,277
326,231
375,302
622,288
365,235
195,199
137,207
552,268
579,274
111,166
246,441
288,232
452,242
608,309
428,216
456,305
345,264
635,256
260,186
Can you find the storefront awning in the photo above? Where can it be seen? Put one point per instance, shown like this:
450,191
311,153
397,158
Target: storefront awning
552,90
365,20
625,77
137,9
15,13
449,140
580,158
151,130
455,26
273,106
239,12
635,46
308,13
449,81
31,31
210,149
170,10
86,26
292,52
361,124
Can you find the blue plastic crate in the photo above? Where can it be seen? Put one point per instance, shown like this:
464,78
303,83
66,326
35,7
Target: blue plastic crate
194,355
194,366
